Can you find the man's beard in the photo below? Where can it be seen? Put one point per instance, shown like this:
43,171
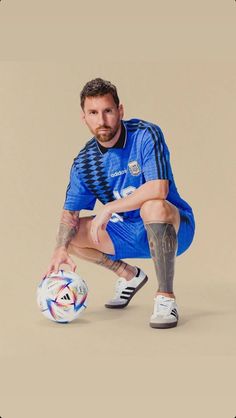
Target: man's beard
108,135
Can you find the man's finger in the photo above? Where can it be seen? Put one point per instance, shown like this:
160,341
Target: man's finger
49,271
72,265
95,235
103,227
56,268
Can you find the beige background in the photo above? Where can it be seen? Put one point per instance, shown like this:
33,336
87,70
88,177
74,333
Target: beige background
174,64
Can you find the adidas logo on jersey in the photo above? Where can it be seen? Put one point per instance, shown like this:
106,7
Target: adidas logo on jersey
119,173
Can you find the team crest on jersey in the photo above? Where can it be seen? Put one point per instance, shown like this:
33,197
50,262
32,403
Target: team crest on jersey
134,168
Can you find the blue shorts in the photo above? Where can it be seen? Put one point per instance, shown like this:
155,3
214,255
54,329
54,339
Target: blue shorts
130,240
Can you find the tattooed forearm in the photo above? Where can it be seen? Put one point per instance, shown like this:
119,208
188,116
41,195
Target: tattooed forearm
68,228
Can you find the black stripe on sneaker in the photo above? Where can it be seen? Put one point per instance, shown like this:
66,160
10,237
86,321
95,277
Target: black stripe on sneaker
125,297
127,293
174,313
138,272
130,288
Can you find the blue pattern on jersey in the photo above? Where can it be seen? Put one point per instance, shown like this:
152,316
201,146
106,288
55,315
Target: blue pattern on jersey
93,172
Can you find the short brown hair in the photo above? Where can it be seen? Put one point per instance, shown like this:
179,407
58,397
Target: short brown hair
98,87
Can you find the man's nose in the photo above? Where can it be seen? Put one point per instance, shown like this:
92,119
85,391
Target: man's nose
101,119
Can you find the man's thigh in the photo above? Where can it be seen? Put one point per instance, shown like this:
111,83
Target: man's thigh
129,238
83,237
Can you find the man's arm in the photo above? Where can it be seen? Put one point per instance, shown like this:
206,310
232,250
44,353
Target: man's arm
153,189
68,227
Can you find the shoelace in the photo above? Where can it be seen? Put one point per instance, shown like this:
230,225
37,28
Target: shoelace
118,286
162,307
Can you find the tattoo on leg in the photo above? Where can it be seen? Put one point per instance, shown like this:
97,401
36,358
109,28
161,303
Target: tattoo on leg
116,266
163,246
119,267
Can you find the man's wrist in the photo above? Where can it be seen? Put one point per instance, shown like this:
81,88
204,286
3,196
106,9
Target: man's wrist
61,247
108,208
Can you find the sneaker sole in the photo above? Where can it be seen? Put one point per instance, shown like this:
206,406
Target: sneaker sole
162,326
128,301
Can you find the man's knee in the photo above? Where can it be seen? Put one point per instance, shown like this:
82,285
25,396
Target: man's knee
157,207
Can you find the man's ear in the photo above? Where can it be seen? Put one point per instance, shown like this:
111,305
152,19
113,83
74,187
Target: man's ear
121,109
82,116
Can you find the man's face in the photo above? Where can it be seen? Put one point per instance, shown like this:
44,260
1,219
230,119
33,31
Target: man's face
102,116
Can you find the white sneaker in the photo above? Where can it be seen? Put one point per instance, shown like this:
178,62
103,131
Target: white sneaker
126,289
165,313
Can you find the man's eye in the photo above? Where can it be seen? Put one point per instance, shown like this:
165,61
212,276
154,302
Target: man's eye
108,110
93,112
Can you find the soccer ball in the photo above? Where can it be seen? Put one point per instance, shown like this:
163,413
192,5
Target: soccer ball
62,296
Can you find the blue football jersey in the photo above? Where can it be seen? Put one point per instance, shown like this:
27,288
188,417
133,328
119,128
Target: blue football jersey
106,174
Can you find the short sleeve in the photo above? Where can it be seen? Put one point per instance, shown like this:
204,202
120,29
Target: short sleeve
155,155
78,196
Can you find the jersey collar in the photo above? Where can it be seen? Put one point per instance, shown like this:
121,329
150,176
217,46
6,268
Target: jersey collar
119,144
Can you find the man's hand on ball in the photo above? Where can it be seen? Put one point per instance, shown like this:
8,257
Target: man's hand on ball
59,257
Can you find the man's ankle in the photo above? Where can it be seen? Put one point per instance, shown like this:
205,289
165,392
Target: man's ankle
129,272
167,294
